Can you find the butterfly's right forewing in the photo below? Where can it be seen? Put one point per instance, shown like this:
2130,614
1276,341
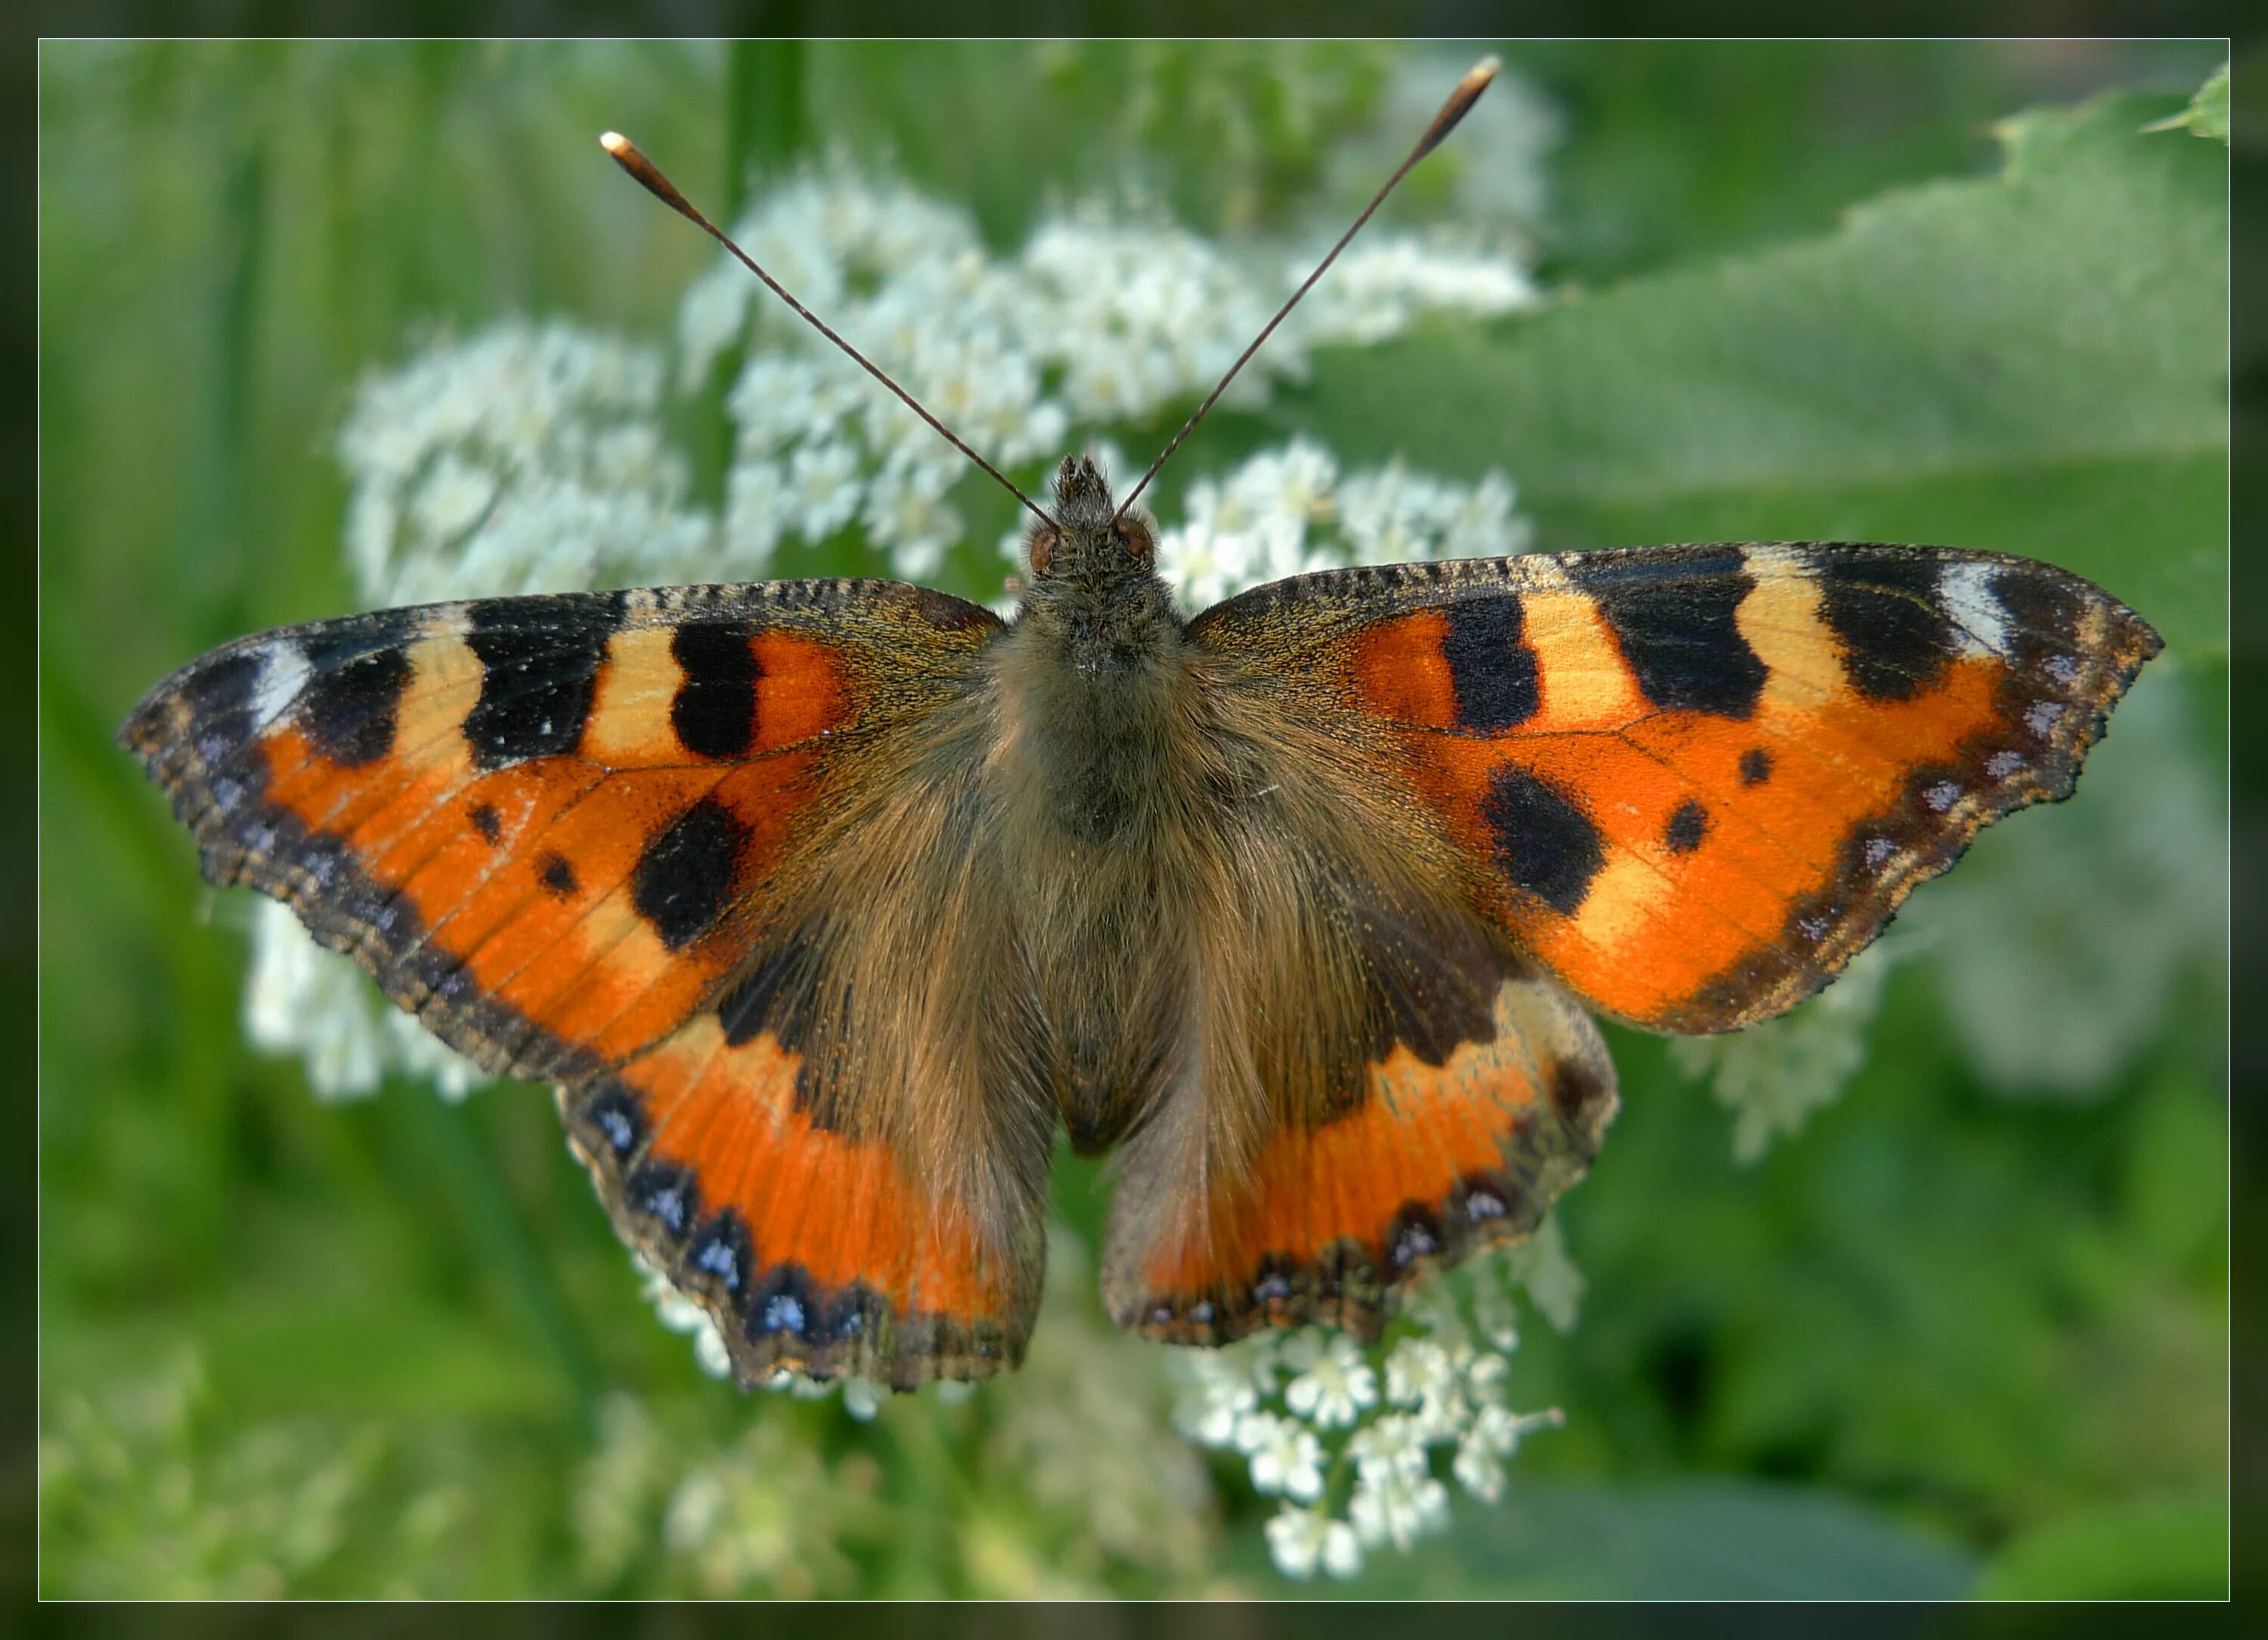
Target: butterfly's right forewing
576,836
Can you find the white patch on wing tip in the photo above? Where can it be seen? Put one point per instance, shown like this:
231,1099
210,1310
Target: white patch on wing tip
284,673
1976,609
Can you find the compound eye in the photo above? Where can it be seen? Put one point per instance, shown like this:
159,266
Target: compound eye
1134,536
1043,550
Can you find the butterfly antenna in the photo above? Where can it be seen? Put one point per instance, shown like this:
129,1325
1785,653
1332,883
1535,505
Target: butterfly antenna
1460,103
649,175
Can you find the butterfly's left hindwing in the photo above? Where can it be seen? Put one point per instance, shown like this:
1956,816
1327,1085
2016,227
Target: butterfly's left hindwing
1694,782
557,830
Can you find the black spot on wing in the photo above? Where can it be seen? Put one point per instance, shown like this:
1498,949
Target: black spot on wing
1755,766
1491,666
356,672
540,658
1545,841
715,711
486,822
1890,621
1672,614
1688,825
559,877
684,880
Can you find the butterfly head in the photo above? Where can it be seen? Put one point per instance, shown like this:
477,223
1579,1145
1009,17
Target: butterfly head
1094,573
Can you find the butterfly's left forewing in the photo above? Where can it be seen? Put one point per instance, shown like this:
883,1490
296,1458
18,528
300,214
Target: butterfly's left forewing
1683,785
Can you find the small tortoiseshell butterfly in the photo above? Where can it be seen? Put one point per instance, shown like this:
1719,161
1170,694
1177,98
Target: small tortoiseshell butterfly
827,903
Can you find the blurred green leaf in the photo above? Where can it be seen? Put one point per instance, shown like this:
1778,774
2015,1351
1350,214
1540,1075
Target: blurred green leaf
2033,362
2158,1551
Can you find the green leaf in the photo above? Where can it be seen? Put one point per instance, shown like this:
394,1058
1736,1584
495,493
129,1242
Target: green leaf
2033,362
2175,1550
2207,115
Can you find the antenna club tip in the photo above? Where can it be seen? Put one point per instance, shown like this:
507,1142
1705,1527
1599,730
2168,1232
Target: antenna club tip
615,143
1481,73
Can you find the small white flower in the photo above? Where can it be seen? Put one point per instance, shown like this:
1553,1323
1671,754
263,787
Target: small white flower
753,515
1495,1435
1484,1373
694,1510
1301,1539
300,999
418,1052
1478,1470
680,1314
1286,1457
1391,1445
1417,1371
1396,1505
1541,1265
1430,1378
1494,1311
711,317
452,497
823,488
1216,1393
1333,1382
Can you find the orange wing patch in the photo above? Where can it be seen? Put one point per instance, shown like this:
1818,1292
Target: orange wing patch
1701,779
813,1250
1338,1216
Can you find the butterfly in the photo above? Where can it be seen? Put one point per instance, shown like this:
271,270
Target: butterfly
827,906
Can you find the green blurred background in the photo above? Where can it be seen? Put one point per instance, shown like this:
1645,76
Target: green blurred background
1965,1332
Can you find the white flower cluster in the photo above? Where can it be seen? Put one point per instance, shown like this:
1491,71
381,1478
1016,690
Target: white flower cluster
1092,322
1281,1400
301,999
530,458
1288,511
